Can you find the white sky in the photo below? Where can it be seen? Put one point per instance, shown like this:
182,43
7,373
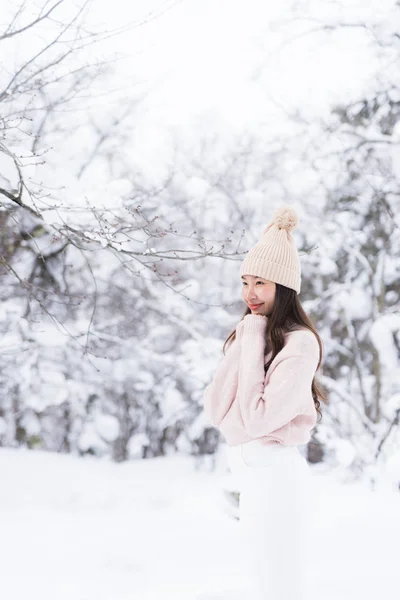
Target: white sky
230,57
232,65
236,65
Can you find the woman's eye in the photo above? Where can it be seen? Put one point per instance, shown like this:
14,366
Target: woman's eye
262,283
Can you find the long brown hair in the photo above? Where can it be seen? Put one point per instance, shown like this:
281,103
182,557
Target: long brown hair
287,315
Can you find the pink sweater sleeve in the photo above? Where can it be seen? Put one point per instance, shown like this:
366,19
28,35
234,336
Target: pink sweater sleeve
219,395
265,409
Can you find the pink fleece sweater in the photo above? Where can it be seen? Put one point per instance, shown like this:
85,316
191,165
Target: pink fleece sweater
276,407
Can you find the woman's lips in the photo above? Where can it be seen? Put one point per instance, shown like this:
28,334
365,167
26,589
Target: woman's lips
254,306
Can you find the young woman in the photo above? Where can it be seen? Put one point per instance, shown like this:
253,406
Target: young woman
264,399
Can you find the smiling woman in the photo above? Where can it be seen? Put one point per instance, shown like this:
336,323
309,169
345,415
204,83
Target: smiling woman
264,399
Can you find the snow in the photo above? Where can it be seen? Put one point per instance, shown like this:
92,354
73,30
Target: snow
49,396
174,403
393,403
136,444
89,439
31,423
108,427
49,334
392,466
355,302
381,335
157,529
344,451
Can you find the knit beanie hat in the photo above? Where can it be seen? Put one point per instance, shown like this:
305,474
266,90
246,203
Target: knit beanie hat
275,256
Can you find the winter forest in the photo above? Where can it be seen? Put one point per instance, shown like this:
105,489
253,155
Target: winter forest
143,148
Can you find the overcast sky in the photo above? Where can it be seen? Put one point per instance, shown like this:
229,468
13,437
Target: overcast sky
231,56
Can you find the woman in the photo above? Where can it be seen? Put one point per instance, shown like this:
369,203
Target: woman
264,400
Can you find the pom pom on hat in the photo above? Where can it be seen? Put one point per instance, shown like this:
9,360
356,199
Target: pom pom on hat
285,217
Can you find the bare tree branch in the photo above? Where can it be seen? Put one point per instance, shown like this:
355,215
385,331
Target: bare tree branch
66,27
40,18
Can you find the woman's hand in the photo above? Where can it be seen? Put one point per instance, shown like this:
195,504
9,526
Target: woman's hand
252,316
251,322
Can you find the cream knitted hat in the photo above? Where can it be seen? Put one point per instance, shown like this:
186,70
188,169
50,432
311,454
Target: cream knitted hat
275,256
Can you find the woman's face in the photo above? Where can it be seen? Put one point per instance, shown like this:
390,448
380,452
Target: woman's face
259,294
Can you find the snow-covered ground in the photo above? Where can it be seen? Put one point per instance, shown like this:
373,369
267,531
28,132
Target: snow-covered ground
157,529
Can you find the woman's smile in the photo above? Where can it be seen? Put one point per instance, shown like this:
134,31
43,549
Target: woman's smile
255,306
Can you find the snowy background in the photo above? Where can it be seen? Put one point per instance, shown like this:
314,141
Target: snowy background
142,150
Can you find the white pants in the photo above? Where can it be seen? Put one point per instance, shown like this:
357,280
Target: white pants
277,495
